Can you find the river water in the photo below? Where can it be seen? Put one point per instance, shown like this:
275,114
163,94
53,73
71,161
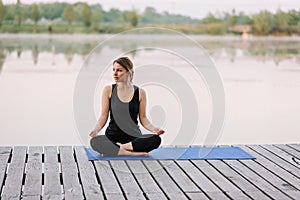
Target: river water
260,77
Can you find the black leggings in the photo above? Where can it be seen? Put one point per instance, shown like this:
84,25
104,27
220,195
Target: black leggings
107,147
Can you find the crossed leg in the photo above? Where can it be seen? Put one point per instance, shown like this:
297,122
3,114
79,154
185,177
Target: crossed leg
141,145
125,150
138,147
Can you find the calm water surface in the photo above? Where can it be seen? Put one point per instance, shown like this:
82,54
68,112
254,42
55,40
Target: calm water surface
261,78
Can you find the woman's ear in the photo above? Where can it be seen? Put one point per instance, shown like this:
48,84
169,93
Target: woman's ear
128,77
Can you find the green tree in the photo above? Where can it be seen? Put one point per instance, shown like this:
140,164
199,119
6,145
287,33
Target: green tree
281,21
131,17
35,13
294,21
231,18
77,8
210,18
52,11
243,19
86,15
113,16
263,23
2,10
96,18
298,28
2,56
9,14
149,15
294,17
19,13
216,29
69,14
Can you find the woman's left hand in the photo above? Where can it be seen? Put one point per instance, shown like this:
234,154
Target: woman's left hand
159,132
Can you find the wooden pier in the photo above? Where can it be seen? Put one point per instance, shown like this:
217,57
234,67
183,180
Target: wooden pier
63,172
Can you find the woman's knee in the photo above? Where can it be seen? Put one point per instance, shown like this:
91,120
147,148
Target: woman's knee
97,140
156,140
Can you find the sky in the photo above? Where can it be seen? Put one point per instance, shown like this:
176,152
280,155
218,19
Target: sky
193,8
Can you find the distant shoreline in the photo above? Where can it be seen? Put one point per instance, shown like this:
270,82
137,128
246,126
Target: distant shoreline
91,36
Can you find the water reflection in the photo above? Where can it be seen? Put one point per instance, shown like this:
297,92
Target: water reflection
261,81
19,51
35,53
262,50
2,56
69,54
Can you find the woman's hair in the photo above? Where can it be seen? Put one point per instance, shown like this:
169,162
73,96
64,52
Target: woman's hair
127,64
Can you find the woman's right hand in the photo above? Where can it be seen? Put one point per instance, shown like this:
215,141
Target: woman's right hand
93,133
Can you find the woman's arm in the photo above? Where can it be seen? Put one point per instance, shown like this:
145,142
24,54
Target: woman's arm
143,117
104,113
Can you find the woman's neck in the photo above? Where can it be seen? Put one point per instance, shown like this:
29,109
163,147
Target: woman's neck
124,85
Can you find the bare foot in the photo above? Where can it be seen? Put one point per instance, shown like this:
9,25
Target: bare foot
124,152
126,146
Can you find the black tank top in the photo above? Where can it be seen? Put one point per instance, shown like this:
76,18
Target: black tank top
123,115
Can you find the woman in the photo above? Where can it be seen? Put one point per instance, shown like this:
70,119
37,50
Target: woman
124,102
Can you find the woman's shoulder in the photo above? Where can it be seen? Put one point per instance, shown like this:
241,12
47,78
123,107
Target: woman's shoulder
107,90
139,88
107,87
142,93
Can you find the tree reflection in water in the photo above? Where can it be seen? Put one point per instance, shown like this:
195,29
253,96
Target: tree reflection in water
259,49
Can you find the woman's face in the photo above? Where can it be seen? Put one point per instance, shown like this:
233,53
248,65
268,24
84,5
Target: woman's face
120,73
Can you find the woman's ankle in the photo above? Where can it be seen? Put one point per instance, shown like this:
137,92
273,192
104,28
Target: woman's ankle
124,152
128,146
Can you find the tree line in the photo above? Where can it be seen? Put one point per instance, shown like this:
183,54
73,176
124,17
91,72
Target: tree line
93,17
84,13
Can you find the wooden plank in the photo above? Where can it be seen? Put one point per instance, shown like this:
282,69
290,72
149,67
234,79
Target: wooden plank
289,149
33,179
163,180
107,179
197,196
286,161
251,175
52,184
145,180
295,194
137,196
203,182
184,182
293,181
271,175
278,157
257,195
32,198
13,183
217,195
263,178
71,184
295,146
126,179
238,180
238,195
224,184
114,196
5,153
91,188
293,150
282,180
155,196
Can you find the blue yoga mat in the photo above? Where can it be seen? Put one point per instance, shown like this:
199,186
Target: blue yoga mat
191,153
